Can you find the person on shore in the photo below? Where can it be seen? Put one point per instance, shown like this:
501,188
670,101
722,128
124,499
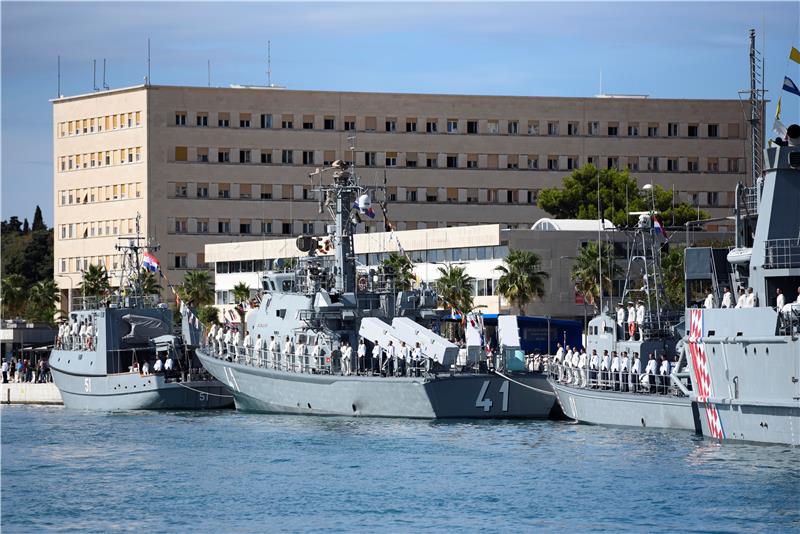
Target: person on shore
5,371
727,298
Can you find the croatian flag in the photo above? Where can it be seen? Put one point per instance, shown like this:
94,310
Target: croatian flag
658,226
150,262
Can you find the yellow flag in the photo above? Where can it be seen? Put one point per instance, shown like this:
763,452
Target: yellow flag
778,109
794,55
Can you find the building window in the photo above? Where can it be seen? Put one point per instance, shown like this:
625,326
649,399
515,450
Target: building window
370,159
431,126
493,127
573,128
533,127
712,198
223,226
370,124
224,191
652,163
349,124
512,161
328,123
411,125
633,130
265,195
287,157
223,155
452,126
431,161
308,123
202,155
181,153
692,131
612,162
411,196
244,227
633,163
472,127
733,165
266,227
180,226
411,160
180,190
308,228
672,129
244,120
472,161
266,156
223,120
452,161
391,125
202,190
672,164
244,156
180,118
713,165
572,162
513,127
613,129
266,120
552,163
713,130
287,124
533,162
391,159
692,165
180,261
286,228
308,157
652,131
552,128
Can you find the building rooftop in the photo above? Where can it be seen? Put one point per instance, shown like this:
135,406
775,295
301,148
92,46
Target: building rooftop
571,225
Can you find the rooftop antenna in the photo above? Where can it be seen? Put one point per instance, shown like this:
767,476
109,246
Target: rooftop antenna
269,64
105,85
94,75
209,73
59,77
148,62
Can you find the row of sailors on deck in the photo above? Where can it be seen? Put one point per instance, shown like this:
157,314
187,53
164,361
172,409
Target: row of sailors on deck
749,299
385,360
612,371
76,334
633,317
158,367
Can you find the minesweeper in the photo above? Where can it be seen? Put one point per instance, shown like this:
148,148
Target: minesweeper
746,359
303,352
120,353
629,376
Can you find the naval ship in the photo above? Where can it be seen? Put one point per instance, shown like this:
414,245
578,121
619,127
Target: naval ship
106,357
307,328
602,395
746,360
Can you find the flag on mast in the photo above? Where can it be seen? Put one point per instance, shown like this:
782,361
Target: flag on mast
150,262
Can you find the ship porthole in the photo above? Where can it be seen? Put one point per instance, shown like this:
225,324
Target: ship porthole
354,408
643,423
755,350
309,405
767,349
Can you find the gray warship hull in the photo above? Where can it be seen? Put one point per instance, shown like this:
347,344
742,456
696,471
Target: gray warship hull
616,408
464,395
133,391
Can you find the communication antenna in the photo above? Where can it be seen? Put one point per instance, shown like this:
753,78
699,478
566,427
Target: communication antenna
269,64
105,85
59,77
209,73
148,62
94,75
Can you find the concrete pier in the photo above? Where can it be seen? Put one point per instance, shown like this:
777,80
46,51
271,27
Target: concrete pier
30,393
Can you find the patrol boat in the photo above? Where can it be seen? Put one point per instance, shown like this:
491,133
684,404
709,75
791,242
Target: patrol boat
746,360
306,328
106,357
604,392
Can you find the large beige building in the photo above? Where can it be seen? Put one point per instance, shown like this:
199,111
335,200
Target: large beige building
214,165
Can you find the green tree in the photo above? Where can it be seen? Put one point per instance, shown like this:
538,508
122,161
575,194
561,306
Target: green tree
197,289
577,198
208,315
13,294
43,297
673,275
522,280
241,293
95,281
585,271
148,282
455,288
401,266
38,220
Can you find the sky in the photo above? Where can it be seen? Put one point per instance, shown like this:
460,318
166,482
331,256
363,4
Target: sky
664,50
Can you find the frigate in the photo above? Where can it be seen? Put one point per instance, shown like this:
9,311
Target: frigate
119,352
746,359
332,338
608,387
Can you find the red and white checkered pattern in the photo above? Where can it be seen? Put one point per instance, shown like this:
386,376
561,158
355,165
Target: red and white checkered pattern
702,376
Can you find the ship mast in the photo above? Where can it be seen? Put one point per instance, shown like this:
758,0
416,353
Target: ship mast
131,275
756,96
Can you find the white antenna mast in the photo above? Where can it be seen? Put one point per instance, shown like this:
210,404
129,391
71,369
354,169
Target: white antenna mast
269,64
94,75
105,85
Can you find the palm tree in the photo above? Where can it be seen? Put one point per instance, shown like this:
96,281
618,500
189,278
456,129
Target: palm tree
585,272
13,295
197,289
521,281
403,270
148,283
455,288
241,293
95,281
42,300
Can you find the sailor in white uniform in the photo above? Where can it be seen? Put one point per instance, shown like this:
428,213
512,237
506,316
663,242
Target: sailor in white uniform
273,352
228,340
620,321
625,367
416,358
594,367
377,351
170,364
615,370
727,298
568,365
583,362
247,345
405,358
709,302
219,340
631,320
90,335
752,300
211,338
316,357
636,370
258,350
576,368
82,335
741,301
650,372
346,352
288,353
559,360
605,367
640,318
301,357
391,358
664,371
362,356
158,366
780,300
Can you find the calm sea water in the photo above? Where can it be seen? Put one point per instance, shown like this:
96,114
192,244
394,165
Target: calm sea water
233,472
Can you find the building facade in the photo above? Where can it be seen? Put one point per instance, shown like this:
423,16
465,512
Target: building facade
217,165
